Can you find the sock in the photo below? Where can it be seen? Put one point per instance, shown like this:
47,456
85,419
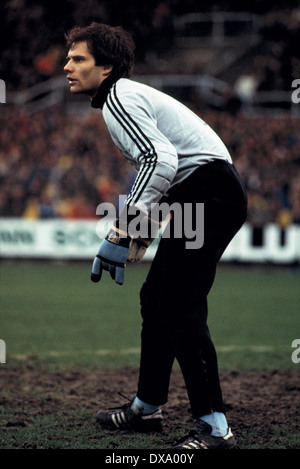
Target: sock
138,405
218,422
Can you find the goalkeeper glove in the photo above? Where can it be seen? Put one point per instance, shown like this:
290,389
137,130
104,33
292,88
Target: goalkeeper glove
112,256
119,246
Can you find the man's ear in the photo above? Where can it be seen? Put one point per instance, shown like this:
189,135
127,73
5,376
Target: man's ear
107,69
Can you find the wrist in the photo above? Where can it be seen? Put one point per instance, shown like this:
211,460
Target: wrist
118,236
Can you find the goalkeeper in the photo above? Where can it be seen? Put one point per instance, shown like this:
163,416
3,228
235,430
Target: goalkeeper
181,160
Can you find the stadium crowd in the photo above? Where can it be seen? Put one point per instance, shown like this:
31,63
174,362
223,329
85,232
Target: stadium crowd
274,59
57,164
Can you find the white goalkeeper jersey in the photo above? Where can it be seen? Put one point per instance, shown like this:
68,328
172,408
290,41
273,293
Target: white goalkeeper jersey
160,137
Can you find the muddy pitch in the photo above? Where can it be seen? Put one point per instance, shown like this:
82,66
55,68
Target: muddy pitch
258,404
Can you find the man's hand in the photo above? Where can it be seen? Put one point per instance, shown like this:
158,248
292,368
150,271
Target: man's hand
139,245
112,257
138,248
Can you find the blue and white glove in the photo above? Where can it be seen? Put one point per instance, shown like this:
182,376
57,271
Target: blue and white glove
112,256
120,246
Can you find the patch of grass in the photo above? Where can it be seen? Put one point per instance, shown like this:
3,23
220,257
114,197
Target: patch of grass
54,312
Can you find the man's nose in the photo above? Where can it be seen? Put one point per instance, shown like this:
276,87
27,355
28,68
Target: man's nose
68,67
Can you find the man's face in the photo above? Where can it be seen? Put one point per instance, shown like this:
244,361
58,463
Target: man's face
82,72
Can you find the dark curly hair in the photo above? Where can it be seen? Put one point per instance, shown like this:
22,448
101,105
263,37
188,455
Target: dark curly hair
109,45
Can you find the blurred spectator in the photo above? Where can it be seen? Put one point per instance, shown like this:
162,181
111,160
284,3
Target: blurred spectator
47,64
245,86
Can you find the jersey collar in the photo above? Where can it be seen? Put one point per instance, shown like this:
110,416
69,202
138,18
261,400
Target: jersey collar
103,90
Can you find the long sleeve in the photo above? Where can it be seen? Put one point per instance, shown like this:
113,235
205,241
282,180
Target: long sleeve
131,122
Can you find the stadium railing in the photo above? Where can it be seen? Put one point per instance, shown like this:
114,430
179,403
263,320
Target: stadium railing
211,90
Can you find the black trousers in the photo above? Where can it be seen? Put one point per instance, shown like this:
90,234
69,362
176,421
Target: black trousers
174,295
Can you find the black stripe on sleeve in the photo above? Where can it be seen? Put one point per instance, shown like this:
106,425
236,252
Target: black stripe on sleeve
138,137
